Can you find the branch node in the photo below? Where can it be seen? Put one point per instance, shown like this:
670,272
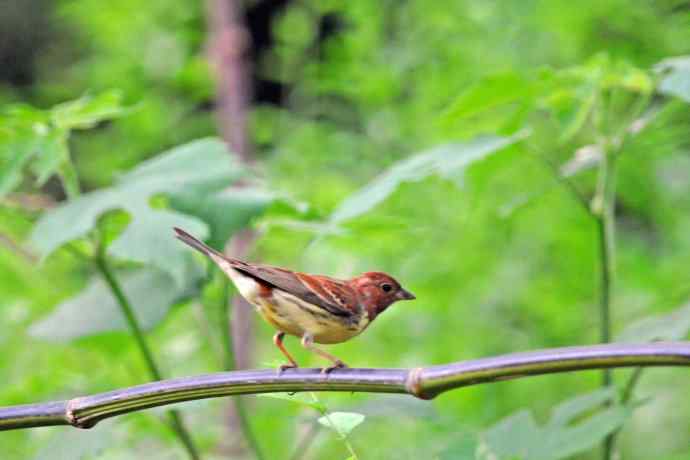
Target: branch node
413,383
72,417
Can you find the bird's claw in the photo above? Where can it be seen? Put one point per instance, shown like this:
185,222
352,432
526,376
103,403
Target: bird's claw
283,367
336,365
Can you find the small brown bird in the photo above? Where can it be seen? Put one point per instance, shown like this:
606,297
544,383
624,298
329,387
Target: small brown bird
319,309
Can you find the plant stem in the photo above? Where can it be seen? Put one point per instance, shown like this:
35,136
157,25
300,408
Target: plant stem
604,211
173,415
229,364
323,410
630,386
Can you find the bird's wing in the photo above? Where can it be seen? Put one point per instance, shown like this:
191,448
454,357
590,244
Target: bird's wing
332,295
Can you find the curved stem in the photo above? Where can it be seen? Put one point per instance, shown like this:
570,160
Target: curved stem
422,382
127,310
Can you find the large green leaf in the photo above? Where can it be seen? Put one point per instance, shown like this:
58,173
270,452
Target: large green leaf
447,161
571,429
672,326
675,80
95,310
200,165
226,211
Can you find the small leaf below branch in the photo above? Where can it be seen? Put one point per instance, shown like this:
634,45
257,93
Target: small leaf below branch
342,422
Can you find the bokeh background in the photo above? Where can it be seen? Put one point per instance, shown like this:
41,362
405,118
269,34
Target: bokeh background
502,255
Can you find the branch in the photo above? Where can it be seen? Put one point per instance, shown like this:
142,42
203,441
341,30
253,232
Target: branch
422,382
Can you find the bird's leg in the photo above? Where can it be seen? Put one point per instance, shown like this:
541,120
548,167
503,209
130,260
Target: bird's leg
308,343
278,341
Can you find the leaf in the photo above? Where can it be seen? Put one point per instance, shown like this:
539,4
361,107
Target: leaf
569,441
675,80
51,152
570,430
39,138
567,411
22,129
463,447
491,91
199,165
95,310
672,326
226,211
87,111
446,161
148,240
515,436
341,422
76,444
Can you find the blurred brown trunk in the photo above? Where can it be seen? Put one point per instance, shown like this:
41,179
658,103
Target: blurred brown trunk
228,46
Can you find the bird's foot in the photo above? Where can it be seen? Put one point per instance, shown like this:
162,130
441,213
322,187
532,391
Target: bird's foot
283,367
336,365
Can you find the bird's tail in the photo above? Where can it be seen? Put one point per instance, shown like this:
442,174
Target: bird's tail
196,244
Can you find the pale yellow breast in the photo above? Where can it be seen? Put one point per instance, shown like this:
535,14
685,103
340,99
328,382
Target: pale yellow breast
295,316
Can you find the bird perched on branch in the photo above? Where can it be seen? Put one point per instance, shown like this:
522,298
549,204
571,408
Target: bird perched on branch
319,309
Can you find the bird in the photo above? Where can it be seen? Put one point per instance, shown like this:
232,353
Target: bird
316,308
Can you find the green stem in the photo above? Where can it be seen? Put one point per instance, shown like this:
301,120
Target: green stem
173,415
630,386
229,364
605,201
323,410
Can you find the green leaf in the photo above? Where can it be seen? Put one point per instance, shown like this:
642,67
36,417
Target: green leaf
568,410
148,239
22,130
491,91
51,152
675,80
341,422
76,444
572,429
672,326
565,442
463,447
39,138
515,436
225,212
446,161
87,111
95,310
200,165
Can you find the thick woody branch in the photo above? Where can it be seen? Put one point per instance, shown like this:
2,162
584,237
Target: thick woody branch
422,382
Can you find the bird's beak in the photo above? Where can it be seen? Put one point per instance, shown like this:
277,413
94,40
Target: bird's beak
405,295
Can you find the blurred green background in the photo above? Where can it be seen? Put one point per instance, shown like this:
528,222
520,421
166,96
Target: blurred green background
501,255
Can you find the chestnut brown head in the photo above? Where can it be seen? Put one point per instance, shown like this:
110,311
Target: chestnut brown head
377,291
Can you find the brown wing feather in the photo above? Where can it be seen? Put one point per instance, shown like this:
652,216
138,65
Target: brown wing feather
294,283
337,298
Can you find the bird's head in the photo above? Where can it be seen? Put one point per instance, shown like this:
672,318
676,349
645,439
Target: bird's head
377,291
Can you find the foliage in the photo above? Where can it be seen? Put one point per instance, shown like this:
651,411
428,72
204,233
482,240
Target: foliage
519,436
452,146
39,138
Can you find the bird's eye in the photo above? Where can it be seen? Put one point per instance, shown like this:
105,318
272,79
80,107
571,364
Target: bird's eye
386,287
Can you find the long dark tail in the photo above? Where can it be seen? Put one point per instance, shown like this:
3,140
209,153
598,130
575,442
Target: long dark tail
196,244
